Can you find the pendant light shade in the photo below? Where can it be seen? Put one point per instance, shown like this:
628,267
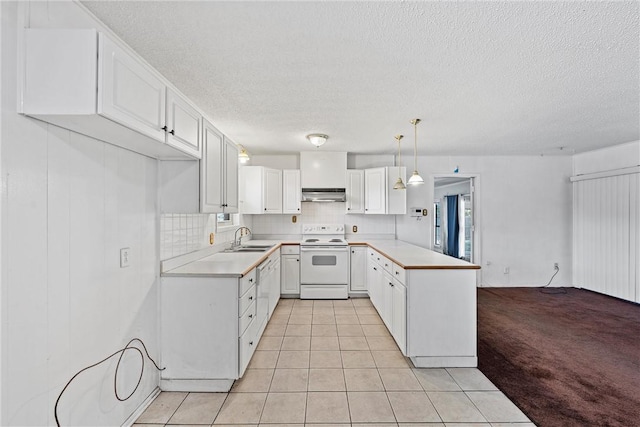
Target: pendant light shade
399,185
415,179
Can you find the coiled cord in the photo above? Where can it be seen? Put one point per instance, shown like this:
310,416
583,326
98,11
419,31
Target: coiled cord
122,351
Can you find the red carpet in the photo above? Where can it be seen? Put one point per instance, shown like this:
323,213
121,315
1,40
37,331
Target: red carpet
564,359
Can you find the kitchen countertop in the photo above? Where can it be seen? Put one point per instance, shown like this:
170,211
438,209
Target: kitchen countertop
225,264
412,257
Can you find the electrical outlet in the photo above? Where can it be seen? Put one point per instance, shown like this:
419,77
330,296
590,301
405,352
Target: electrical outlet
125,257
556,266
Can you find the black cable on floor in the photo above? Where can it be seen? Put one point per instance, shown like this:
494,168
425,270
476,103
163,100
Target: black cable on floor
560,290
122,351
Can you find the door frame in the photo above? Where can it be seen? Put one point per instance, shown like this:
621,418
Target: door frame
476,212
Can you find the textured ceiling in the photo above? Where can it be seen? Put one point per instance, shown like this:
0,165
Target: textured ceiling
485,77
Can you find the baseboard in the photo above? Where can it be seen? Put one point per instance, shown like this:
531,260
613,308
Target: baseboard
445,362
215,386
143,406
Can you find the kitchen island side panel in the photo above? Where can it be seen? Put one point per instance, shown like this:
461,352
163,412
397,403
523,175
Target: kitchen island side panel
442,317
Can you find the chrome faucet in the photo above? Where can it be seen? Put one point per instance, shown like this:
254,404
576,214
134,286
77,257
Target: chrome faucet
237,241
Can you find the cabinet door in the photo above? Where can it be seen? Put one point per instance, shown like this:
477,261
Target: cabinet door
230,177
374,282
274,282
211,172
128,92
290,275
272,190
358,268
291,191
355,191
183,125
375,183
386,308
399,315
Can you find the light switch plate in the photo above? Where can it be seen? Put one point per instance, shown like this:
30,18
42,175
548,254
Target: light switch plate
124,257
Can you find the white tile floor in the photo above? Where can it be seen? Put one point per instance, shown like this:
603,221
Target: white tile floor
335,363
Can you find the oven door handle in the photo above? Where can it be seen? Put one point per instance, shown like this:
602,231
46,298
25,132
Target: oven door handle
324,248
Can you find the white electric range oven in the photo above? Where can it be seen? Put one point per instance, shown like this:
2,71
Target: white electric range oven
324,262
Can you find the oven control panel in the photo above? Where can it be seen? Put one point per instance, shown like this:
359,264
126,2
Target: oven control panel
323,229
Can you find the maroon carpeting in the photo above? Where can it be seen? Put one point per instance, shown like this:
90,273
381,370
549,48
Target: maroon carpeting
564,359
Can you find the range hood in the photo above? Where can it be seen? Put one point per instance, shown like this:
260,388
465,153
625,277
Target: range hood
324,195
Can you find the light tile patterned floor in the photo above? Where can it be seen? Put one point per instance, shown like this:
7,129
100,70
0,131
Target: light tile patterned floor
334,363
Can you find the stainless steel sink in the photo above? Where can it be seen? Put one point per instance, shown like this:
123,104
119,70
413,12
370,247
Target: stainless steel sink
250,248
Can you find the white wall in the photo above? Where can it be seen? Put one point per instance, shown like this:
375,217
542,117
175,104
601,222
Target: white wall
607,159
69,203
523,215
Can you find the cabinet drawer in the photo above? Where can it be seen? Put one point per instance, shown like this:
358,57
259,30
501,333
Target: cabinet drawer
246,282
290,250
386,264
399,273
246,319
246,300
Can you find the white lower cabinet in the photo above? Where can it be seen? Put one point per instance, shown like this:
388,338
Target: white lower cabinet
358,279
290,264
388,295
210,329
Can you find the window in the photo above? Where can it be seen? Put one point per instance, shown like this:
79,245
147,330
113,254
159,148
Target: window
437,236
227,220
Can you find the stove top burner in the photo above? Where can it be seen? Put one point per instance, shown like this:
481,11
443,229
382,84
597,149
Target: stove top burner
337,240
312,240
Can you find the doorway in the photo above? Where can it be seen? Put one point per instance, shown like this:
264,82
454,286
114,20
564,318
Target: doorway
454,216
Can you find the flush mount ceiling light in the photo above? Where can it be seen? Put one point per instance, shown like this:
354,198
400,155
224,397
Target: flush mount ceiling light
317,139
415,179
399,185
243,156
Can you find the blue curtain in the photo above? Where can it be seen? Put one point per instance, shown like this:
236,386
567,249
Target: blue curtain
453,226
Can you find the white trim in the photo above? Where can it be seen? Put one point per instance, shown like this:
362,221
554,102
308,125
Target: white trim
606,174
143,406
445,362
196,385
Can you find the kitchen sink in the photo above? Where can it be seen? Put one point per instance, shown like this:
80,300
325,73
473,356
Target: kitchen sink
250,248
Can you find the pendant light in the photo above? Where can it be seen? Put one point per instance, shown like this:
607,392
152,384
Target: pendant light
399,185
415,179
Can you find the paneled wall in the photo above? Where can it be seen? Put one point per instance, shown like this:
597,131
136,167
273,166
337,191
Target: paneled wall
606,223
69,203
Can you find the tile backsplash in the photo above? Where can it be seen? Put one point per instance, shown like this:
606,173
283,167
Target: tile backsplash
315,213
184,233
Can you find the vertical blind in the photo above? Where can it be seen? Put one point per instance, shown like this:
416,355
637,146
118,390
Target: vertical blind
606,234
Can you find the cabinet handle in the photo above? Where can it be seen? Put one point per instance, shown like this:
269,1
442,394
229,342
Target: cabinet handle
265,209
172,132
298,260
375,269
251,298
298,208
391,284
397,273
348,209
251,316
164,128
250,280
250,342
366,209
386,265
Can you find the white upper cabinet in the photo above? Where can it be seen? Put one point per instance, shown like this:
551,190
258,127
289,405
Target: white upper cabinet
128,92
375,191
218,172
83,81
261,190
355,191
183,124
380,197
291,191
